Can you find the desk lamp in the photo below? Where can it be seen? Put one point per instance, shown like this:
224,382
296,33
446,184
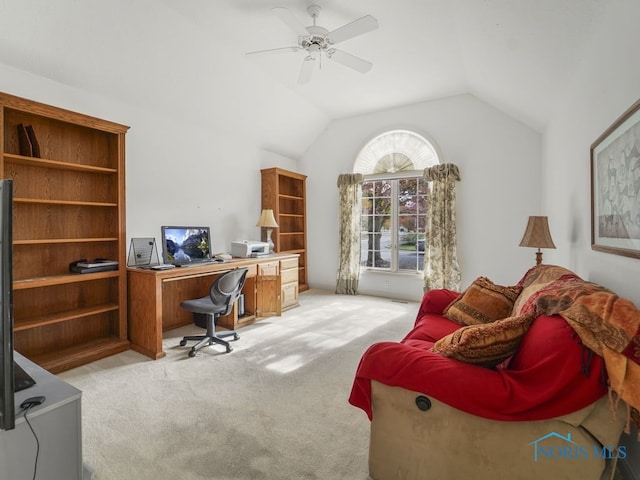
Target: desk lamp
268,221
537,235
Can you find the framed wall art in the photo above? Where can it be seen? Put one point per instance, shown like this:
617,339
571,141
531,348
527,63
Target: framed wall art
615,187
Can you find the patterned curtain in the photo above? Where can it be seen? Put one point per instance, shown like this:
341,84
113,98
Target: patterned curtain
350,187
441,269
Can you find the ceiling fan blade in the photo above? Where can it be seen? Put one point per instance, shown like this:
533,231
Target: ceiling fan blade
349,60
357,27
290,20
275,51
306,70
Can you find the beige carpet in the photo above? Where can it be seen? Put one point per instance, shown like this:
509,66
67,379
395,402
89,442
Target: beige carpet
275,408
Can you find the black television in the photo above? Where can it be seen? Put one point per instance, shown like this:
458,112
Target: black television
7,399
185,245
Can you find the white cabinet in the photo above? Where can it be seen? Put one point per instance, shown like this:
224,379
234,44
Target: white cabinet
57,423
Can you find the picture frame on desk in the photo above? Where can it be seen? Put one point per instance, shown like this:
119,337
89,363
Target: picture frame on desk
143,251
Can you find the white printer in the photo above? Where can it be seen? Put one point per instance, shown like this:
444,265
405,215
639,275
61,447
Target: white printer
249,248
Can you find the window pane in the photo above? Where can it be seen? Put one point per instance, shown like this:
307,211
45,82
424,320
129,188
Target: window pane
366,226
376,222
407,241
367,207
410,259
423,187
375,250
382,206
422,205
407,223
383,260
382,188
407,204
422,221
382,247
422,190
407,185
367,190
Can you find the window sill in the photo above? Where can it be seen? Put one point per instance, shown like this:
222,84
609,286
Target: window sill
368,271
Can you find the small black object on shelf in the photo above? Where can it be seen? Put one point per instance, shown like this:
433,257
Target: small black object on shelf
27,141
24,143
93,266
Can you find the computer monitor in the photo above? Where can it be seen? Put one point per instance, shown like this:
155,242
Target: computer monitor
185,245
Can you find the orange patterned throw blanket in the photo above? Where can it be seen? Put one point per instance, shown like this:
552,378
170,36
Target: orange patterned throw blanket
606,323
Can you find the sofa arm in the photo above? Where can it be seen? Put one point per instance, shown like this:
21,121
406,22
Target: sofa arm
544,390
435,301
419,370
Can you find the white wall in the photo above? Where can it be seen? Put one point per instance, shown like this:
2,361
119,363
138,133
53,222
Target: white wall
202,125
607,83
178,172
201,131
499,160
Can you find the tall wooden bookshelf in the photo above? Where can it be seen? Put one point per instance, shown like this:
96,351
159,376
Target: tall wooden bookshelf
285,193
69,204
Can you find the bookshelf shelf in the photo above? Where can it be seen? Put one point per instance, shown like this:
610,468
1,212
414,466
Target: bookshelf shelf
285,192
69,204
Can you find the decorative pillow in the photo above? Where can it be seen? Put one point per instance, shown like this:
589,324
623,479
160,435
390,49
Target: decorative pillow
483,302
487,344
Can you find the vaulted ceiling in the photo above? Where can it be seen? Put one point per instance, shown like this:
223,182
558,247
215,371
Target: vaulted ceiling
515,54
518,55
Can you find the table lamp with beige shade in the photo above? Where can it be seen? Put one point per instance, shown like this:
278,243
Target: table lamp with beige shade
268,221
537,235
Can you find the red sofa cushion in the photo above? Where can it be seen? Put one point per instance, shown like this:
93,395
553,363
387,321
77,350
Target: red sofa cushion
430,328
550,375
435,301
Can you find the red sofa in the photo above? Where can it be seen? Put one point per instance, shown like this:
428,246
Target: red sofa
551,384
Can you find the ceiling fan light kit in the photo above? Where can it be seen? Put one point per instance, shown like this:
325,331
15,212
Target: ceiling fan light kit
316,40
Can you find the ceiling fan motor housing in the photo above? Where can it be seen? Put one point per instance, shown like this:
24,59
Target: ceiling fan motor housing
315,40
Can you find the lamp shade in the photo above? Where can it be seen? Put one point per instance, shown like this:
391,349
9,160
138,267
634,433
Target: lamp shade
267,219
537,234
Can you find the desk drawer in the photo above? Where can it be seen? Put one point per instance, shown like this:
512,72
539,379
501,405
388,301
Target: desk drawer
270,268
289,276
288,263
289,295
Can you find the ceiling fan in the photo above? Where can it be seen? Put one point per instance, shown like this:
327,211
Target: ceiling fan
315,41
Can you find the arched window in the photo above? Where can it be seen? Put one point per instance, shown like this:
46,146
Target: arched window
394,200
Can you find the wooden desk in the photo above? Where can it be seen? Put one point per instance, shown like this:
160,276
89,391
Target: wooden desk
154,296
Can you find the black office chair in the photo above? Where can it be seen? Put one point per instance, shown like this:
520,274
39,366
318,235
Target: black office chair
223,293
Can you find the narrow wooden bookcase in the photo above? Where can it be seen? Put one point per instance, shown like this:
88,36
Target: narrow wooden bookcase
285,193
69,204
